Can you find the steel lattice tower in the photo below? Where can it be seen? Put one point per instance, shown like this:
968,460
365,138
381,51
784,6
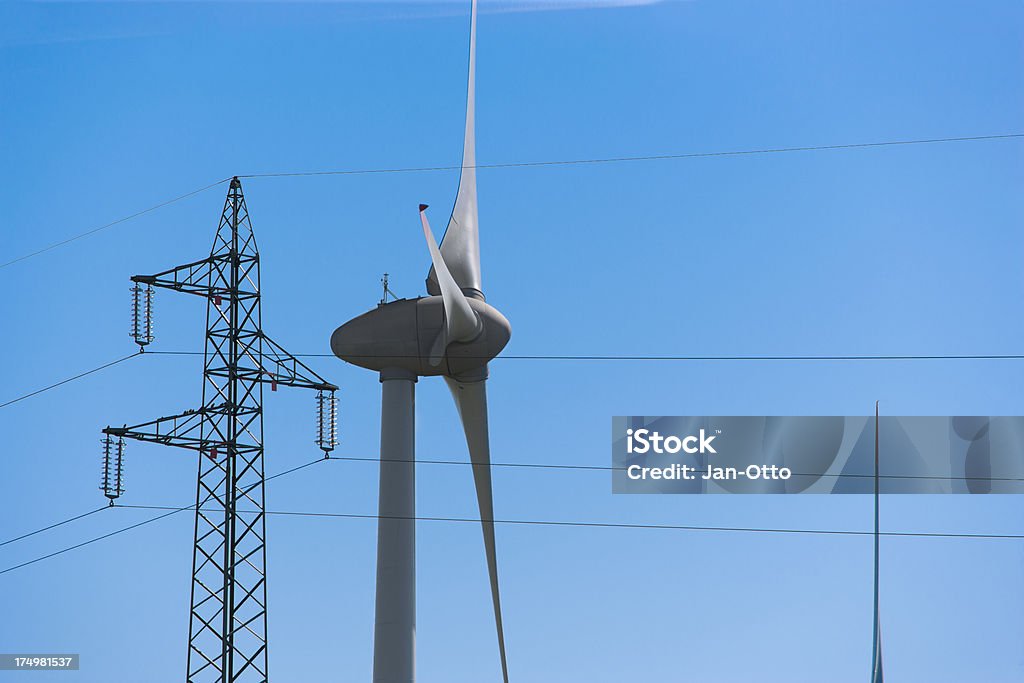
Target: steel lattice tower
228,616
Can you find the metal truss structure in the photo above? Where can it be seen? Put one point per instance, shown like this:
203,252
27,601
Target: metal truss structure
227,640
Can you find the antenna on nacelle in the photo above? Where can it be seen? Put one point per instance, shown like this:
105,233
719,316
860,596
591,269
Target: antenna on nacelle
387,290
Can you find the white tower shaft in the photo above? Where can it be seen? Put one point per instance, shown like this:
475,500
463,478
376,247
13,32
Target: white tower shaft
394,633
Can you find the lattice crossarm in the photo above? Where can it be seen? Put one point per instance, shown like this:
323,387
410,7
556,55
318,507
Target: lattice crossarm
196,278
182,430
281,367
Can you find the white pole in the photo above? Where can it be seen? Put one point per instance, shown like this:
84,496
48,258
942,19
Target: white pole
394,633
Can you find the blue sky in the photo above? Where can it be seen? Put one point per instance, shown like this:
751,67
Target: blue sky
107,108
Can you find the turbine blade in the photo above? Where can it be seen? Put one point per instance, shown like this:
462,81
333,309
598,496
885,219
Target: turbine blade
438,348
460,244
461,321
471,401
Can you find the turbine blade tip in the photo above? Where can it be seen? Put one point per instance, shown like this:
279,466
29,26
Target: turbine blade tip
423,207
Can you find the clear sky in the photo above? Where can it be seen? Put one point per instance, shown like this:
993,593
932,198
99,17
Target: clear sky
108,108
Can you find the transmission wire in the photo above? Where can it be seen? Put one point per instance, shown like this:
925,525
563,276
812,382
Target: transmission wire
124,219
70,379
619,525
524,164
648,157
172,511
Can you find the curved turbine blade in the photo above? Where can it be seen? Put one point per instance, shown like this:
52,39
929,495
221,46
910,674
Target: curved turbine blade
439,347
461,321
471,401
460,244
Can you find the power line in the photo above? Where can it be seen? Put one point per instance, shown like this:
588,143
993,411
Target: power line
610,357
124,219
611,468
558,523
53,526
94,540
623,525
524,164
648,157
590,357
294,469
172,511
69,379
526,465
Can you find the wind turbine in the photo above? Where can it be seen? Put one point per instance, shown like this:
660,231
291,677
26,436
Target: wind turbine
453,332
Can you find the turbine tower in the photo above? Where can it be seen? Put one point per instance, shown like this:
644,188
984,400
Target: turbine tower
453,332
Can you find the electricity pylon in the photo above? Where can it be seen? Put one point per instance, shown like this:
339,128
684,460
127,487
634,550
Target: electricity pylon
227,640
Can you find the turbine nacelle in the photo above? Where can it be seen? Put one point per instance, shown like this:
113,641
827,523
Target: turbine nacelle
402,334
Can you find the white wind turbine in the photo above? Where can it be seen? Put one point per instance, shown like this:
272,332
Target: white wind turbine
453,333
